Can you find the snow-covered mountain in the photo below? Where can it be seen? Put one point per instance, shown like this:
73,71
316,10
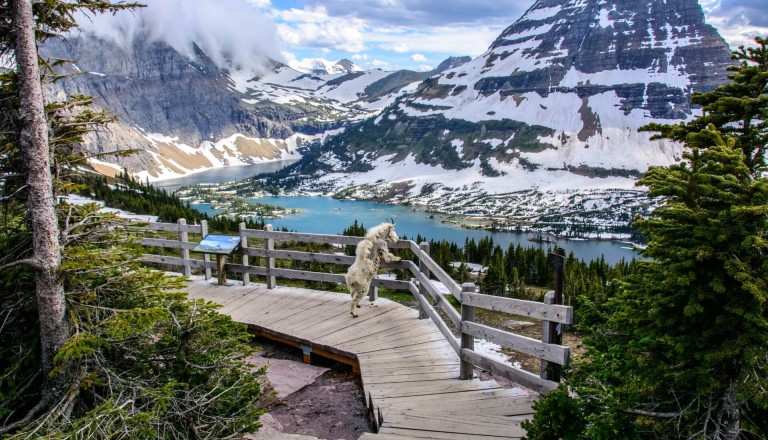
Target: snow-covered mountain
187,115
321,66
541,126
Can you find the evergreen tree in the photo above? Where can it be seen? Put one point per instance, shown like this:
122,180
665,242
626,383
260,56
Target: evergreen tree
494,281
127,356
680,350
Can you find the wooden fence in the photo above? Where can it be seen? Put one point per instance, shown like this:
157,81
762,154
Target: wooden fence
261,244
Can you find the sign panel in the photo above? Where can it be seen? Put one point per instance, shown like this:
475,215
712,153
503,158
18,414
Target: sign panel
218,244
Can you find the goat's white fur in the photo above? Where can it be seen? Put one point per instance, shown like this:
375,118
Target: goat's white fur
368,254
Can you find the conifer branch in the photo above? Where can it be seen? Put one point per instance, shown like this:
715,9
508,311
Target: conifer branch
31,262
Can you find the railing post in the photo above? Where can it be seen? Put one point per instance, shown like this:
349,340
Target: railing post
269,245
373,293
243,246
424,246
206,257
466,370
186,270
546,373
553,332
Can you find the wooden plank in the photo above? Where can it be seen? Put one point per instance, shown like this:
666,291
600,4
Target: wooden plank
550,352
359,322
174,227
532,309
402,320
438,321
173,244
317,257
490,426
253,311
305,325
314,306
412,377
242,300
507,406
447,307
223,295
175,261
442,387
438,272
443,354
317,238
439,401
517,375
409,336
432,435
299,303
463,426
320,313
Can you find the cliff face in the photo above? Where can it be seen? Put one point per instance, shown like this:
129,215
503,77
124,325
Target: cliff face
165,101
187,114
657,52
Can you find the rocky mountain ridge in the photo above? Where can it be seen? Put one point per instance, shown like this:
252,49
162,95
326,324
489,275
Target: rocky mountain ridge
543,125
187,115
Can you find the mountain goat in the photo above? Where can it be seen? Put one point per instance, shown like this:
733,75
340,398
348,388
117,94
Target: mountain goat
368,254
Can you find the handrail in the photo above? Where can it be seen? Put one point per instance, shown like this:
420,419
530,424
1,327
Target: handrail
421,286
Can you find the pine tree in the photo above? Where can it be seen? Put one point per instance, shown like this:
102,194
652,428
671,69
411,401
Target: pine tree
127,356
495,279
679,350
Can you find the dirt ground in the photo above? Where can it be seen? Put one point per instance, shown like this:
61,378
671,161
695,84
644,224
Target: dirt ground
333,407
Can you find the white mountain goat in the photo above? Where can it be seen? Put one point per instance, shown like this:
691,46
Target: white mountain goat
368,254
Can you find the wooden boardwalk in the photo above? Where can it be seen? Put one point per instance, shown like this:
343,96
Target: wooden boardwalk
409,371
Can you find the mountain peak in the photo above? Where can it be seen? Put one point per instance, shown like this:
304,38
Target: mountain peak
321,66
452,63
668,40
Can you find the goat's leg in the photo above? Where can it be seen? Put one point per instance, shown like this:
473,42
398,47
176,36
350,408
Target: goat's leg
356,297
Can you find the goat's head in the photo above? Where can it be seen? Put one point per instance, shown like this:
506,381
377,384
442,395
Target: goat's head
384,231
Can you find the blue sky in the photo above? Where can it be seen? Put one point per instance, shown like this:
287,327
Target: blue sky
386,34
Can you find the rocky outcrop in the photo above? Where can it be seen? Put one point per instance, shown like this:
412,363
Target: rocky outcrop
156,92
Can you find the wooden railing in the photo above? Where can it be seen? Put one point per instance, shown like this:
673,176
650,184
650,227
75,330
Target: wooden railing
261,244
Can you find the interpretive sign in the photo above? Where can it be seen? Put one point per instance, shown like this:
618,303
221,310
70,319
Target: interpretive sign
218,244
222,246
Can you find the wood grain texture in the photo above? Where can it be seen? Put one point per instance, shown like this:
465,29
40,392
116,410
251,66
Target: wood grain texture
408,369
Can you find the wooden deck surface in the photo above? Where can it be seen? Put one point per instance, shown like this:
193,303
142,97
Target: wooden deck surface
409,372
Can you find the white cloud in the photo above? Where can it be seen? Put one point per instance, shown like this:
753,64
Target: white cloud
233,33
424,68
399,48
315,28
418,58
360,56
450,41
380,64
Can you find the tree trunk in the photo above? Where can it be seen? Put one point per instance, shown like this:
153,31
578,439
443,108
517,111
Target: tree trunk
728,424
54,330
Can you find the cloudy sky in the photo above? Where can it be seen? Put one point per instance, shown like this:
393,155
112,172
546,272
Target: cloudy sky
387,34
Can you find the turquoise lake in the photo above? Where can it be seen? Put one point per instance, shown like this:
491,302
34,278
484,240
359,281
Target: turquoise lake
324,215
